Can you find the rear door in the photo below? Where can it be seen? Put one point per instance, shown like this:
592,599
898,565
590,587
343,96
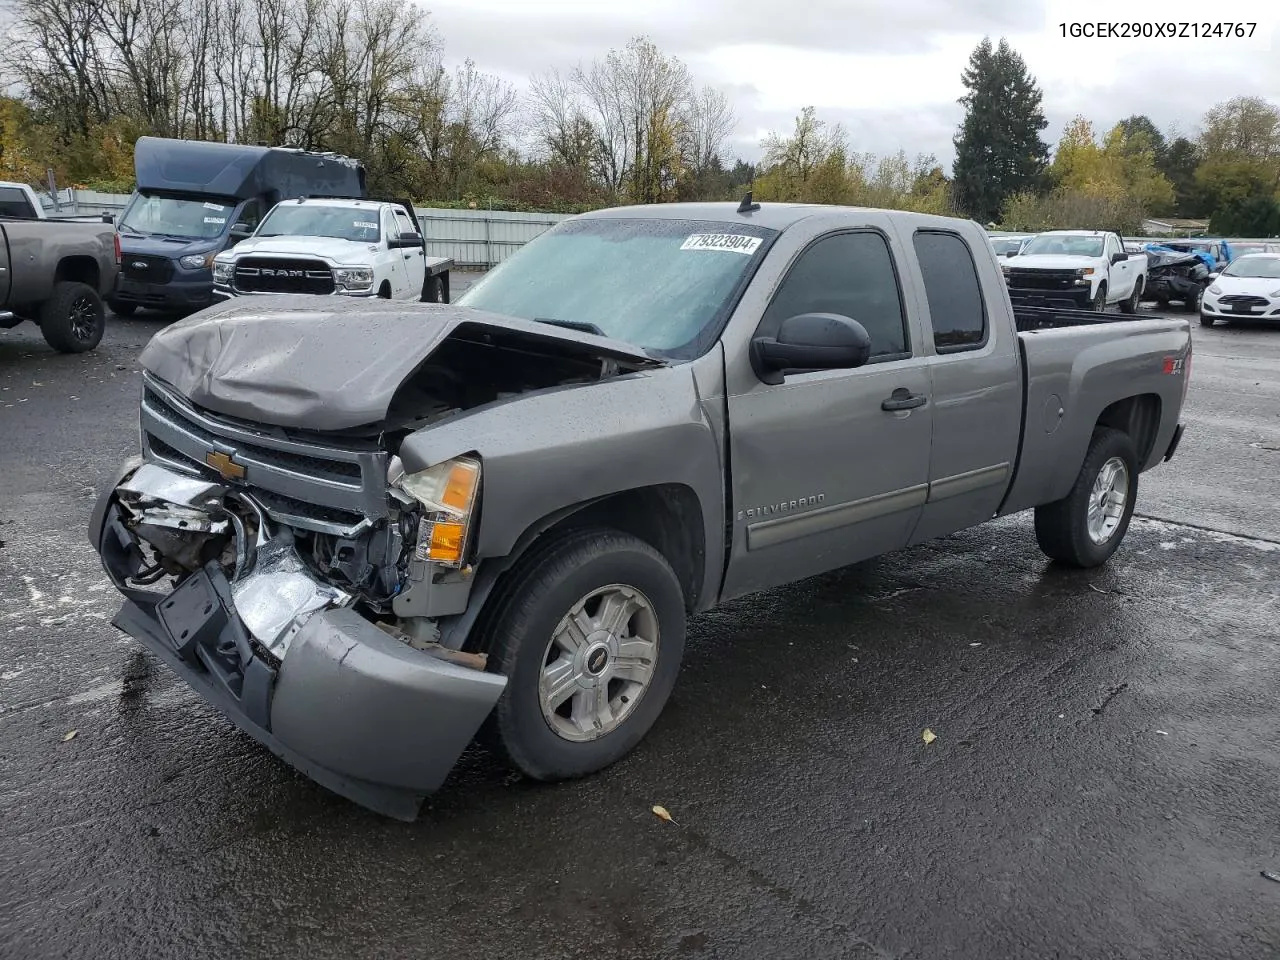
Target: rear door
822,474
976,383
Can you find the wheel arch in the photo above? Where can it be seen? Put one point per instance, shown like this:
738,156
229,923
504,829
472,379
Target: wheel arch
78,269
668,517
1139,417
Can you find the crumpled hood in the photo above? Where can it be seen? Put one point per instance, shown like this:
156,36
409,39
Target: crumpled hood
333,248
330,363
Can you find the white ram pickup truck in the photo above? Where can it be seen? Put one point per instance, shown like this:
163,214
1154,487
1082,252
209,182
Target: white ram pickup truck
334,247
1076,268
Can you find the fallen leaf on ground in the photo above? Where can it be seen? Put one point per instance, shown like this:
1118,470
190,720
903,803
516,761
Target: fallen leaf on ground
1163,733
69,736
929,736
975,644
661,814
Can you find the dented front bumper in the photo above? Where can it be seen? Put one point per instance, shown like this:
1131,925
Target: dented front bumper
350,706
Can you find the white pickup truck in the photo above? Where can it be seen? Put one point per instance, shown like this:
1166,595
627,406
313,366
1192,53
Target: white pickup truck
1076,268
334,247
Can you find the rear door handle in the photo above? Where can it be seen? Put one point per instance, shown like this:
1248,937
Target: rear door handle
904,399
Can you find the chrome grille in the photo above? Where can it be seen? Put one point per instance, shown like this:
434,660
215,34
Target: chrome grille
283,275
331,489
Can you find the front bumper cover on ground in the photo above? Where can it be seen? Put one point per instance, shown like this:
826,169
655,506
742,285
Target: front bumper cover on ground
350,706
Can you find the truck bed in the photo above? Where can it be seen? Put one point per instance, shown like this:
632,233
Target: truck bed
1049,317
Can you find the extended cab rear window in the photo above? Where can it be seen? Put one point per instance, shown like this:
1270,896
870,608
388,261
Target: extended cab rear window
956,308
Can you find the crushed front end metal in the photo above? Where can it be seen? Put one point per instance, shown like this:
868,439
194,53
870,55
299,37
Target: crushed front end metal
247,610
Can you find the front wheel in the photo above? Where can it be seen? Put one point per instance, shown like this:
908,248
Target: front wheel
73,319
121,309
1192,303
1206,321
1100,299
1085,527
590,634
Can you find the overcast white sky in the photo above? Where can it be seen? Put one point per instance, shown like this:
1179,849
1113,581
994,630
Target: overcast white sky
889,70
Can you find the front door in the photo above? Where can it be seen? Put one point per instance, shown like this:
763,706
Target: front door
396,261
413,258
831,467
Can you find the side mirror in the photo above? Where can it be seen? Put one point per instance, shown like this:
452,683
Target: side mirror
1212,277
810,341
241,230
1119,257
406,240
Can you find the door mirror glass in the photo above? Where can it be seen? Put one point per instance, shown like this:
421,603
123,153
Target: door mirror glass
406,240
810,341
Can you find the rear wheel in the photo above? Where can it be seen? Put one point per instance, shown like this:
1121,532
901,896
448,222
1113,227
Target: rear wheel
1131,304
1085,527
590,634
73,319
433,290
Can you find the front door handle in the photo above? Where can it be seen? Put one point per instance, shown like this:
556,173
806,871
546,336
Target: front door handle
904,399
408,255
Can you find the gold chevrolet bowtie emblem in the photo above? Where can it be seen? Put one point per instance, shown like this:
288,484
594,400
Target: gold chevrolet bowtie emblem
223,463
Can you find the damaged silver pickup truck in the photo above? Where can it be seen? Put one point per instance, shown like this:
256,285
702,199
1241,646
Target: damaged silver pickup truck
368,531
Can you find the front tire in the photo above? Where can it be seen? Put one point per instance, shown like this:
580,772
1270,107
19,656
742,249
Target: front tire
1206,321
1100,299
590,633
73,319
122,309
1192,304
1085,528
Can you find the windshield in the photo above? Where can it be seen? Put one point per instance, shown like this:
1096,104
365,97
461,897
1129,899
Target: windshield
1006,245
1063,245
341,222
188,218
661,285
1265,267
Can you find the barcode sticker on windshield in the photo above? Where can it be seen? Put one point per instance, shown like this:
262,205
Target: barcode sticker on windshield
215,207
730,242
215,219
366,224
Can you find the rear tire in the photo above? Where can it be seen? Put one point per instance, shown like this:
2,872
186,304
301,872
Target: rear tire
1131,304
433,290
531,639
73,319
1085,527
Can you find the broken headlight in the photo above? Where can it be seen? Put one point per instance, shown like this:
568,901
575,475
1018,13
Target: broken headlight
447,492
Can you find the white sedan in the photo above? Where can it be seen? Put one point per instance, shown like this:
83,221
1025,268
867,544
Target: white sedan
1248,287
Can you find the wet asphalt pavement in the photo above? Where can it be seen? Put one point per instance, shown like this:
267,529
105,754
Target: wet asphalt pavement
1105,782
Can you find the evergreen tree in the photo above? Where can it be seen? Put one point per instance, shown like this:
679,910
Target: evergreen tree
999,151
1179,165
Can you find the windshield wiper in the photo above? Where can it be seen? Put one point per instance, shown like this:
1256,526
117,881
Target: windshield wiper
582,326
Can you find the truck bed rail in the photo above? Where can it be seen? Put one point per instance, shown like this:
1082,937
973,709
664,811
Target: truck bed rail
1028,318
